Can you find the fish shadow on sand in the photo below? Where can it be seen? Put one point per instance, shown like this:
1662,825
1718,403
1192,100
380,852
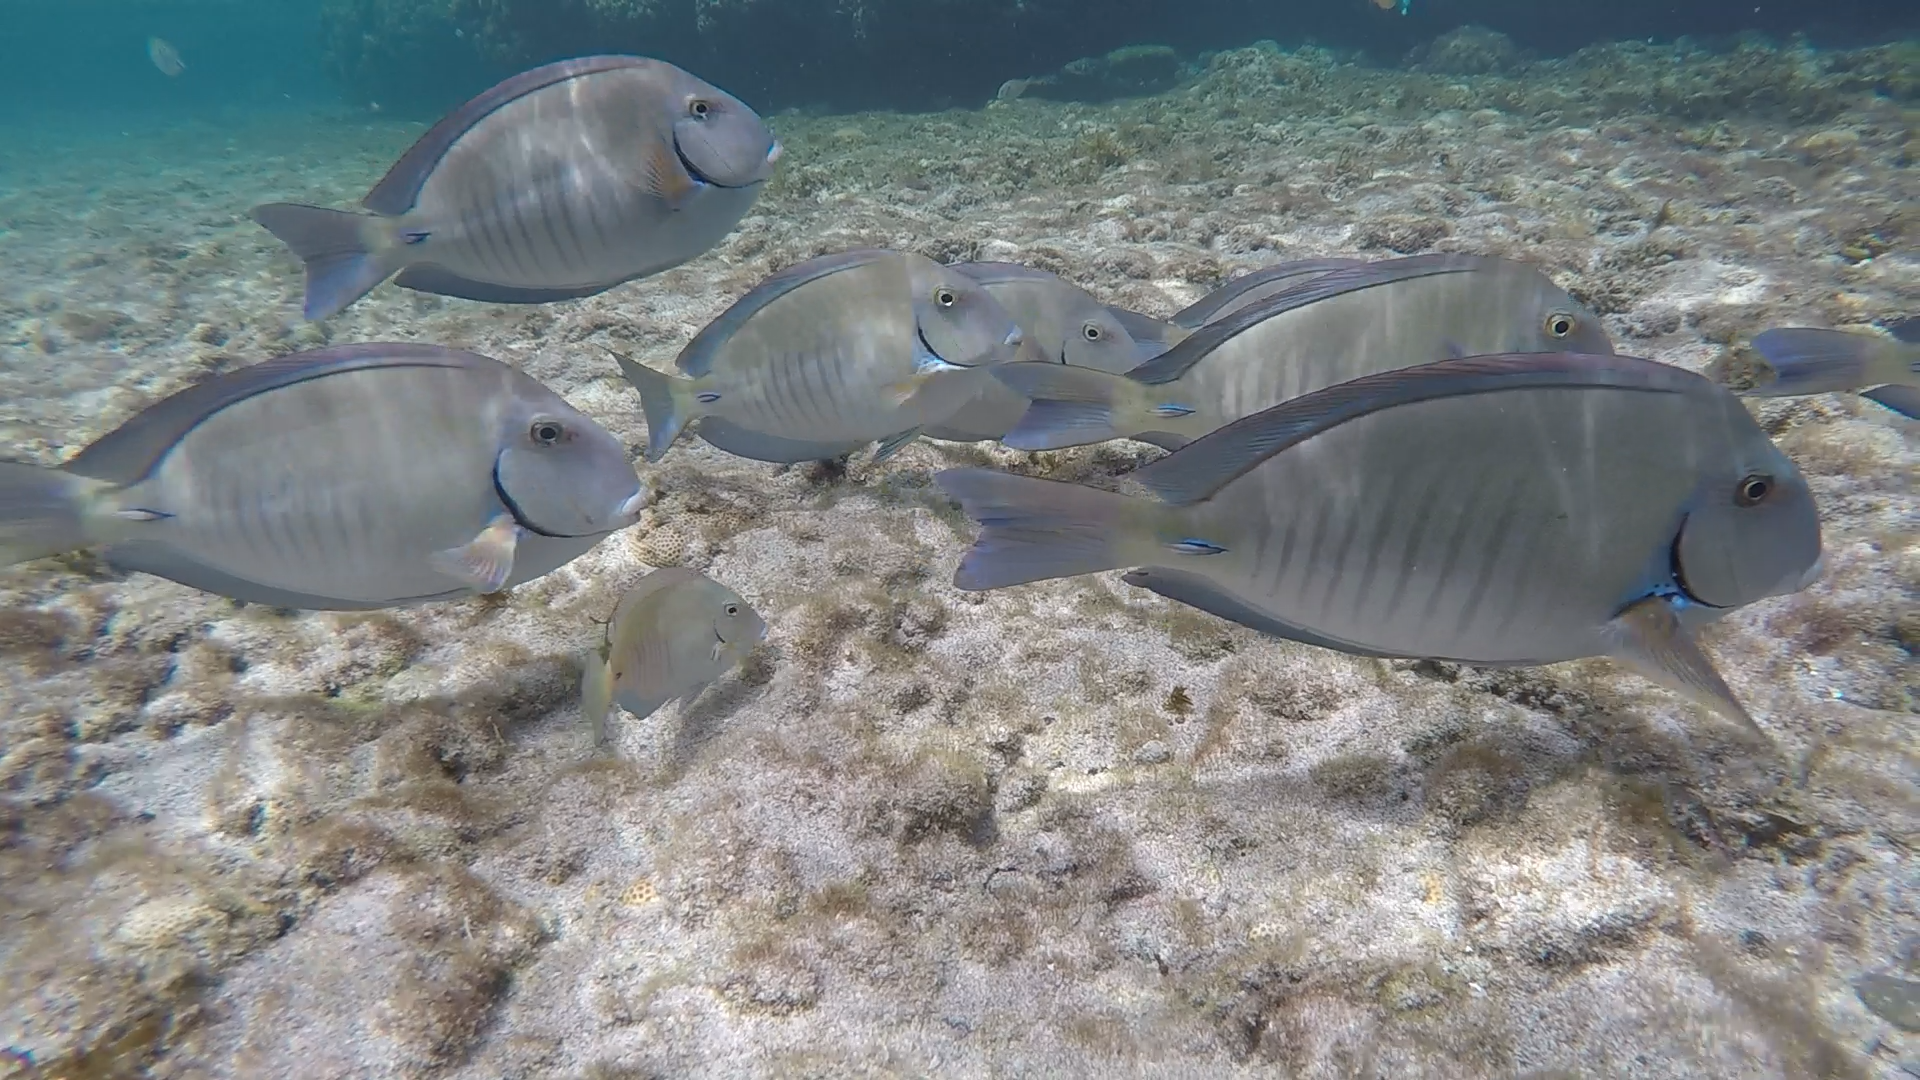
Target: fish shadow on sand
703,718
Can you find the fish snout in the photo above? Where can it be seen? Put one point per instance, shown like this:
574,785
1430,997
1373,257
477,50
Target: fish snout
628,511
1812,574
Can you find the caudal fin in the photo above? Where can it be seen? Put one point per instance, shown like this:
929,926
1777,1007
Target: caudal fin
42,512
1071,405
1809,361
663,402
341,267
1033,529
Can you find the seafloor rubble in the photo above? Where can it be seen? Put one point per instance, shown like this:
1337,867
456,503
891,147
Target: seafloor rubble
1068,829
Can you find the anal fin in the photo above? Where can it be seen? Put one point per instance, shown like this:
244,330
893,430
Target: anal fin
893,444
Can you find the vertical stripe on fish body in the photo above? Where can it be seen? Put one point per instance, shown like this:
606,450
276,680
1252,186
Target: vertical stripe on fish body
1520,509
354,477
1328,327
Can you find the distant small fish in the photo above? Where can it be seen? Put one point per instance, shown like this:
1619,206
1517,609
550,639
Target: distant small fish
352,477
1808,361
558,183
165,56
829,355
1507,510
670,636
1061,324
1253,347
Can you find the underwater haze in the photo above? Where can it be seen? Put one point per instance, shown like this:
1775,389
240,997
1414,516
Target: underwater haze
731,767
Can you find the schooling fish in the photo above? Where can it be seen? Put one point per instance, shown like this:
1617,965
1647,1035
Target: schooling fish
353,477
1499,510
560,182
1250,288
1331,325
165,57
1060,323
670,636
1807,361
829,355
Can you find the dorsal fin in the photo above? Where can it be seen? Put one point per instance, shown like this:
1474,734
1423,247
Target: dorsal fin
1198,470
125,455
1197,313
396,192
1175,362
659,579
988,273
1907,329
697,358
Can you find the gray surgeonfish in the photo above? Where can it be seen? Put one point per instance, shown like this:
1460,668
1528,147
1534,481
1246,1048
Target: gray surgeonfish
557,183
1061,323
670,636
353,477
829,355
1329,326
1254,287
1885,370
1503,510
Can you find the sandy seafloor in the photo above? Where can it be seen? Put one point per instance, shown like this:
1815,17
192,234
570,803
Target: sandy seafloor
1068,829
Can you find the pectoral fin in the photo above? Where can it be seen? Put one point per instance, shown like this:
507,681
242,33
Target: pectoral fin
893,444
486,561
666,177
1647,637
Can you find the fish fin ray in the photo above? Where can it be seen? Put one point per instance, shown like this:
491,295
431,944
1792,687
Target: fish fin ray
1907,329
396,192
1809,361
46,512
486,561
664,399
1033,529
1899,397
893,444
741,442
697,357
666,177
1204,466
1647,637
332,245
1197,591
1203,310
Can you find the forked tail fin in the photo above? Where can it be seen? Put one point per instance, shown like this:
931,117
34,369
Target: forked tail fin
341,265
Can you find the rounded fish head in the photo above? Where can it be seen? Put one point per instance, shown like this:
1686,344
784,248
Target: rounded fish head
1562,324
958,319
720,139
735,624
1097,340
561,474
1753,530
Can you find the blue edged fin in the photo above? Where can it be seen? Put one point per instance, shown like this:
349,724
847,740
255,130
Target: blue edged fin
1902,399
397,191
740,442
1203,466
893,444
1312,288
696,359
428,278
1196,591
332,248
1203,310
1809,361
125,455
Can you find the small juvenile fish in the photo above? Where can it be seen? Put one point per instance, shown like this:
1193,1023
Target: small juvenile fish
352,477
829,355
1808,361
1060,323
165,57
670,636
1505,510
1329,325
558,183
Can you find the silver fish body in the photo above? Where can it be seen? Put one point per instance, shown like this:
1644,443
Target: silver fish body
1328,326
356,477
670,636
829,355
1508,510
560,182
1061,323
1810,361
1254,287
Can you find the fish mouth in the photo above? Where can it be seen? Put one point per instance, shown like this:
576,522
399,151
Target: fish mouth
521,519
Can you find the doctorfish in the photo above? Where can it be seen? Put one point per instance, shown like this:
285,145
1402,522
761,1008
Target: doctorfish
1328,327
670,636
1809,361
1251,288
1060,323
557,183
829,355
1506,510
352,477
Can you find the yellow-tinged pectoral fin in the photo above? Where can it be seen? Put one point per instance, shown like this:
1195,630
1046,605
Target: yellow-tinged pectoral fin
666,176
1647,637
485,562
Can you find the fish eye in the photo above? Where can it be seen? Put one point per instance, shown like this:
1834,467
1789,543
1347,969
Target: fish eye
698,109
1559,324
731,610
1753,490
546,432
1092,332
945,297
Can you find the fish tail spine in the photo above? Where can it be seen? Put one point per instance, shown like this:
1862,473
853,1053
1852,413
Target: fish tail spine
1034,529
668,402
346,254
596,697
1070,406
49,511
